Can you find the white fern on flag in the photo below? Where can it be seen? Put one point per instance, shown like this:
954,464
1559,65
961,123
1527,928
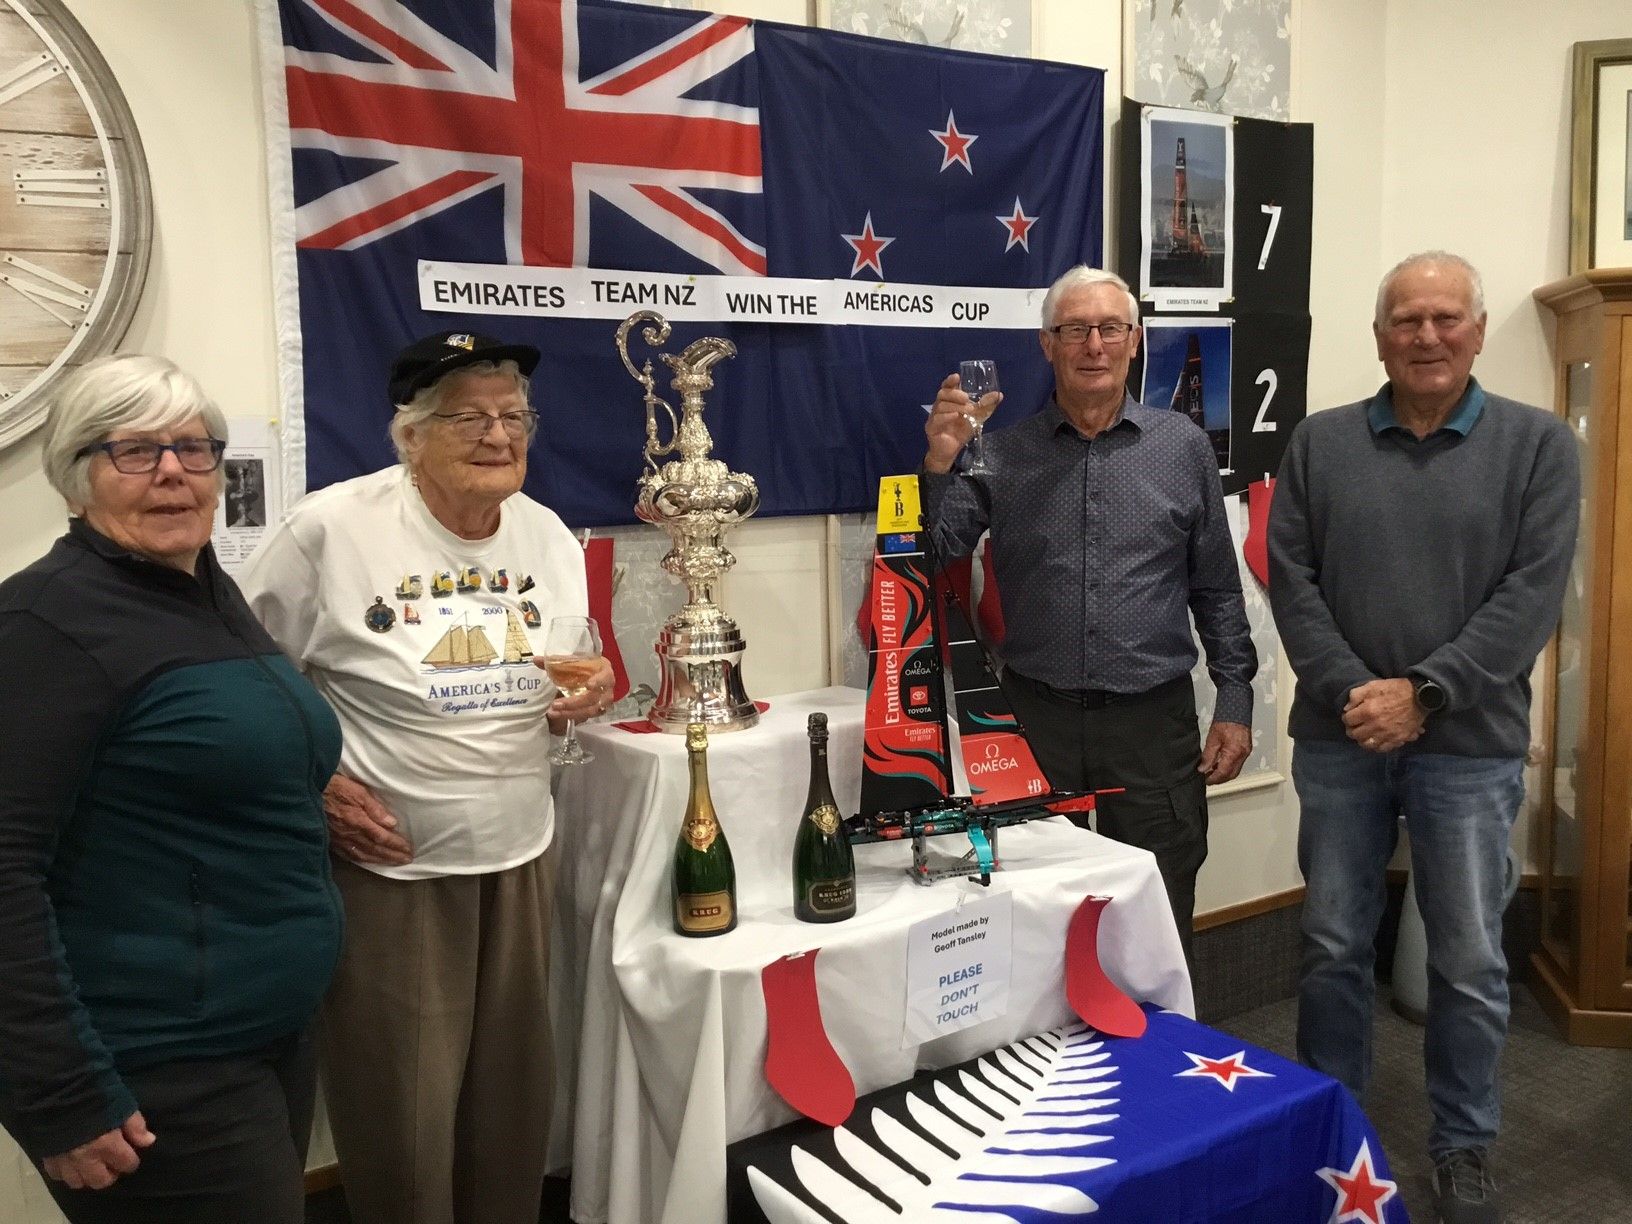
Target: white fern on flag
1015,1134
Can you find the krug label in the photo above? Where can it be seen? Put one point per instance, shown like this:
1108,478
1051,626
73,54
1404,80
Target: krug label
703,911
830,896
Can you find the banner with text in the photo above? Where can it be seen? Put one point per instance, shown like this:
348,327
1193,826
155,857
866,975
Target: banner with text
599,293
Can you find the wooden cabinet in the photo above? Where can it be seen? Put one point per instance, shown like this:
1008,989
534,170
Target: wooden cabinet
1584,965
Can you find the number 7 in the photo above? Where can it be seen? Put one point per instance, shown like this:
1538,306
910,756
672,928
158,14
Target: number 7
1274,212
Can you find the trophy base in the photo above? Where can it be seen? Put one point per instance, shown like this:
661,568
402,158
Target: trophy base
702,680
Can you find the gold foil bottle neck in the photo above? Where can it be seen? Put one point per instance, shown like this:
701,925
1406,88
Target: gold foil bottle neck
696,737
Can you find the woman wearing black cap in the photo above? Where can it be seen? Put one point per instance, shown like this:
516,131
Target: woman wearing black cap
414,599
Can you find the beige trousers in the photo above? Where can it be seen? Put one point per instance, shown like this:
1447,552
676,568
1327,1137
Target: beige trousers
436,1047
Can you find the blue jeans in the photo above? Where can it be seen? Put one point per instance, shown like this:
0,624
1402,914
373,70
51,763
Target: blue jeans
1459,811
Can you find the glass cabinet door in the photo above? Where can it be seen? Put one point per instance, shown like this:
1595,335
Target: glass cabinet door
1562,862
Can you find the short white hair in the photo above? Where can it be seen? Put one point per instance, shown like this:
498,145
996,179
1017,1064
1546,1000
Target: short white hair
427,402
1079,276
130,391
1439,259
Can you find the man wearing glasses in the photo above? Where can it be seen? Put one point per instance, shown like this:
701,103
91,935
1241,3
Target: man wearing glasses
1108,533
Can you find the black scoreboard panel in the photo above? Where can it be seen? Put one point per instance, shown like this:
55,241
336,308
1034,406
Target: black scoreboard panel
1271,248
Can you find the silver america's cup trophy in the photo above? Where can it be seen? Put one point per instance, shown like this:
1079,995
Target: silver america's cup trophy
696,499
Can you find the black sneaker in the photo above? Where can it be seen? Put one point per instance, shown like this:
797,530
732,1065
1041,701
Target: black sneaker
1464,1191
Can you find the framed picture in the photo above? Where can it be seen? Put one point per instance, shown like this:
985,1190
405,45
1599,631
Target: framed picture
1601,156
1186,208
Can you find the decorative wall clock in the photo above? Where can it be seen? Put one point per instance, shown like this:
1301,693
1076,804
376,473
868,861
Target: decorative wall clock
76,218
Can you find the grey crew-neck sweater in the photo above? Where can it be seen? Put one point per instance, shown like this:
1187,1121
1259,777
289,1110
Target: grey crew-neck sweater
1442,559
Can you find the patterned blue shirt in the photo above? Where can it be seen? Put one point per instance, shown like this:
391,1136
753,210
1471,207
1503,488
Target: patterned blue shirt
1103,548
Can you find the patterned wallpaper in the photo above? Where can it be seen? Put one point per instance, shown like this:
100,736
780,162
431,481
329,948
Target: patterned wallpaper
1233,56
1001,26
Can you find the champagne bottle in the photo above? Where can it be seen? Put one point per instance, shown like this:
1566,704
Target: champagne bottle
704,881
824,869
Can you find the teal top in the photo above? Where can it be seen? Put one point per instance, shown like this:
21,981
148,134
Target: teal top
165,890
1380,411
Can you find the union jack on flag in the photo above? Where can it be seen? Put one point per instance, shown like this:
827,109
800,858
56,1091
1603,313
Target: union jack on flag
446,124
602,135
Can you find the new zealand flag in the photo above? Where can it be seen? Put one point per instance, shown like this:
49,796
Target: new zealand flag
1183,1125
601,135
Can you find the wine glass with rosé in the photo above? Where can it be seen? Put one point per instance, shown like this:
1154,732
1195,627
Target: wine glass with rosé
572,657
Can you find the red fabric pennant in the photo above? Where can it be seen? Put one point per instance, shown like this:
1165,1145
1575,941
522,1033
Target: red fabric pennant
1256,546
598,572
1098,1001
800,1062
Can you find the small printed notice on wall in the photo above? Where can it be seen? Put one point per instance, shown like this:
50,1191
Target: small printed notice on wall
251,501
958,967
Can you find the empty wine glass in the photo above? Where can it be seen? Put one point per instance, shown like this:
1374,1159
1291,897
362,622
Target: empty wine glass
572,657
979,379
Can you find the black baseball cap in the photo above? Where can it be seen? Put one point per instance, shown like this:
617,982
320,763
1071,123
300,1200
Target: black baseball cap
424,361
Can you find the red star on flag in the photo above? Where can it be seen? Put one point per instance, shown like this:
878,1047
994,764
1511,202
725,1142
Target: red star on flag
1225,1070
868,246
1361,1194
1019,227
954,144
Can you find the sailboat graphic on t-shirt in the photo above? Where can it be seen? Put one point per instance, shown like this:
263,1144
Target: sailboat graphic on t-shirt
516,646
466,646
461,646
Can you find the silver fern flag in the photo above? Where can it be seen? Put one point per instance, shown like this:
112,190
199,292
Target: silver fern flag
1182,1124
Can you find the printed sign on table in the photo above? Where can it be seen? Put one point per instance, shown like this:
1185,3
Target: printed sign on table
958,966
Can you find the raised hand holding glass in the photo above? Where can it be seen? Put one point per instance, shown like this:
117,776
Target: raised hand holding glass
979,380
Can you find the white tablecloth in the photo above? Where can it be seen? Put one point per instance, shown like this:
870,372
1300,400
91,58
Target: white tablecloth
661,1039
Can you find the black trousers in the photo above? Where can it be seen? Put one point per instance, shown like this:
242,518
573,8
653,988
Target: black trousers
1148,744
229,1143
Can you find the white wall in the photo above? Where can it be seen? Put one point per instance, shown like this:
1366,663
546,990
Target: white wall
1478,156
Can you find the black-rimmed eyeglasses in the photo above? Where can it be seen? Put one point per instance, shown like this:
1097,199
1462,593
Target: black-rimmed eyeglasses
474,426
1113,332
133,456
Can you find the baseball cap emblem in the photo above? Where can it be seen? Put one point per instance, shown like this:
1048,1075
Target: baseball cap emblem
462,340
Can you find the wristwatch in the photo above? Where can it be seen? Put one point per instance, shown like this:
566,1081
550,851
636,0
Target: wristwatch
1430,697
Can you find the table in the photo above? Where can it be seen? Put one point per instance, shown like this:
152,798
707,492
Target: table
661,1040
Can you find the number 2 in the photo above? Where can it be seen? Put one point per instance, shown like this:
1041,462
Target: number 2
1274,213
1259,424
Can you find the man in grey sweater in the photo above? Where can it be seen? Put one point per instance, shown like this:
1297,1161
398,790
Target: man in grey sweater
1419,543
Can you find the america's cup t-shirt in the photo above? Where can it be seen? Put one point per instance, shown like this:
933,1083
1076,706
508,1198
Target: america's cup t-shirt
423,643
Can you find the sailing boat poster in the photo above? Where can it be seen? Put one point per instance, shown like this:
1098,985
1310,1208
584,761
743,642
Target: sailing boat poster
1187,369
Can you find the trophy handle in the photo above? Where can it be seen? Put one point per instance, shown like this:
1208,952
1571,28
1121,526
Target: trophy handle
654,333
654,448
